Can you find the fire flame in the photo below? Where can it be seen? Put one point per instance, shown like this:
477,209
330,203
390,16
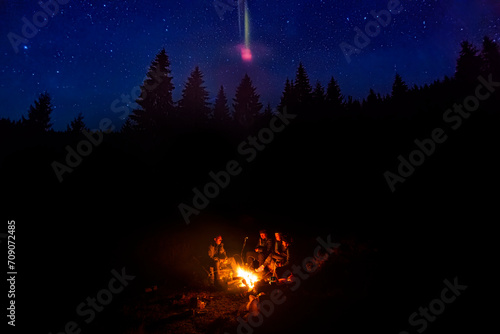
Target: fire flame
248,277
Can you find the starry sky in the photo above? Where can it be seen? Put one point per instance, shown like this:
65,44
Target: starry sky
88,54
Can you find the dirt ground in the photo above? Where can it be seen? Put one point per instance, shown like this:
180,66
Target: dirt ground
335,286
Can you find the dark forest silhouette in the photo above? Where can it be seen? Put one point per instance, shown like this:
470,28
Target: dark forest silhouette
176,143
158,112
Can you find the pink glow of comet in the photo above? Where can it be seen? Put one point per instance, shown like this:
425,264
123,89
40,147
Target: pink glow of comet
246,54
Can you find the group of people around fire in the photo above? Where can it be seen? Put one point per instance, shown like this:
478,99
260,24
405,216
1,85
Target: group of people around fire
272,255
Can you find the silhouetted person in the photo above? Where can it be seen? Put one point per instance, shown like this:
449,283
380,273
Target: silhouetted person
286,257
277,242
218,257
262,249
280,258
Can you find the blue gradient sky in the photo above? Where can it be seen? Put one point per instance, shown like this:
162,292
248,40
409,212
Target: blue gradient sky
90,53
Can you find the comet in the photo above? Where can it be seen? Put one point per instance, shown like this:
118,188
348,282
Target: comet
244,25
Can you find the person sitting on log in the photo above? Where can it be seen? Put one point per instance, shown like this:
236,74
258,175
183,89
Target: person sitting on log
218,257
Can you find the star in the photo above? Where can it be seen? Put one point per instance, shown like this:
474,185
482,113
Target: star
109,38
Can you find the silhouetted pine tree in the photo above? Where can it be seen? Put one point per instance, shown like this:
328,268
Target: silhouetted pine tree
318,93
287,98
399,88
372,105
318,101
353,107
468,68
334,98
77,125
302,89
267,114
221,113
399,104
156,103
246,103
127,127
8,127
193,106
490,55
442,94
39,114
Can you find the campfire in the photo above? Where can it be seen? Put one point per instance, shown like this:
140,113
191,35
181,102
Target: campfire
247,278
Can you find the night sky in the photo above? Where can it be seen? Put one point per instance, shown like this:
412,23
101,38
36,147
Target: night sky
91,53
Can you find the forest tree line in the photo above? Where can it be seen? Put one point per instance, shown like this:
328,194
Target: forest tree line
157,112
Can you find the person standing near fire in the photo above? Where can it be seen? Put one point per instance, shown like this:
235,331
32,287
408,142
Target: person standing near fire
218,257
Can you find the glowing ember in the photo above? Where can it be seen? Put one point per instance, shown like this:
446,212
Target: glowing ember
249,278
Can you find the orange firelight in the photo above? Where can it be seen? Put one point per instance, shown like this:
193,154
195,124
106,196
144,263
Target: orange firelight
248,277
